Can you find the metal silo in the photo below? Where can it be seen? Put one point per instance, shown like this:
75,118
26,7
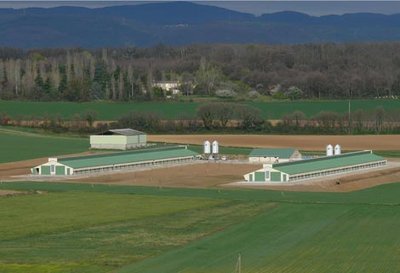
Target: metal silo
215,147
207,147
338,149
329,150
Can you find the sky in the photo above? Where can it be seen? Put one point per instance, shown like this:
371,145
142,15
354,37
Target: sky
316,8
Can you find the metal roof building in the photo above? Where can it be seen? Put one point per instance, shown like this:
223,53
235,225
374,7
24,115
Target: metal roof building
115,161
119,139
318,167
274,155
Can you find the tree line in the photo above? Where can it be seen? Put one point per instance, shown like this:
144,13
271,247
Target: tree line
224,118
313,71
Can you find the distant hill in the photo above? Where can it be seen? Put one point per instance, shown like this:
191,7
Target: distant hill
180,23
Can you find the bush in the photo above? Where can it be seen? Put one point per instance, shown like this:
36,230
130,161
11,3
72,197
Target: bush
250,118
279,96
253,94
148,122
4,119
294,93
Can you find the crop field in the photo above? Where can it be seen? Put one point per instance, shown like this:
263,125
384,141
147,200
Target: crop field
103,228
16,145
174,110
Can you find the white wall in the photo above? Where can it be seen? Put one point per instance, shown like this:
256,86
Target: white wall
256,159
117,141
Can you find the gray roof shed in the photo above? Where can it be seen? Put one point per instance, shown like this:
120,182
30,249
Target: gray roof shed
123,132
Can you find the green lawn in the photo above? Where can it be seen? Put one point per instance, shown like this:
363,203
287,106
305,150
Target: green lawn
179,110
102,228
17,145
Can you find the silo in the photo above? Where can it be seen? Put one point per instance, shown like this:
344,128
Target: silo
207,147
215,147
329,150
338,149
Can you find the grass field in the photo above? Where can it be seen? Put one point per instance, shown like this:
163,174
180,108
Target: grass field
16,145
174,110
101,228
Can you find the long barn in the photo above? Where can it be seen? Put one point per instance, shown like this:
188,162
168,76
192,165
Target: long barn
115,161
314,168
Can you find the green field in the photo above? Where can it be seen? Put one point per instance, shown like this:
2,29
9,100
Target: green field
102,228
179,110
18,145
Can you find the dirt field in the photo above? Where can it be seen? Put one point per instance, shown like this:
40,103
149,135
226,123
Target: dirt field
18,168
311,143
194,175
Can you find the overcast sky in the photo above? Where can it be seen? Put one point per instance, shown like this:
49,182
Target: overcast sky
255,7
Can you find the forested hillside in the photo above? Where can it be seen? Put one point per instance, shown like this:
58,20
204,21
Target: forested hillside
184,23
232,71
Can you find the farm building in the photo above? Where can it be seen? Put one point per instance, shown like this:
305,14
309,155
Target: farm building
274,155
170,86
115,161
314,168
118,139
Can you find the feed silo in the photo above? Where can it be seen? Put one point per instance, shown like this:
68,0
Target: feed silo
215,147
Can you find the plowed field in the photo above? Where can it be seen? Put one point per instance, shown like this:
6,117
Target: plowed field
302,142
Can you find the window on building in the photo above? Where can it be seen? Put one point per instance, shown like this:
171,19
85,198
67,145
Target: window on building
267,175
52,168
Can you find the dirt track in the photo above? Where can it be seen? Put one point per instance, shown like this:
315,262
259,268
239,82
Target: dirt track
306,142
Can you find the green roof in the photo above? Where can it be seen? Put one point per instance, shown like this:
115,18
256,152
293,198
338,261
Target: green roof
327,162
273,152
126,157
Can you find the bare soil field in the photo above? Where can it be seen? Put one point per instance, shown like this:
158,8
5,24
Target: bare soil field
303,142
7,170
193,175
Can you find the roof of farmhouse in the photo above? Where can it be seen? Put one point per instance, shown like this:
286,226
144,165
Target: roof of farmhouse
126,157
273,152
124,132
327,162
